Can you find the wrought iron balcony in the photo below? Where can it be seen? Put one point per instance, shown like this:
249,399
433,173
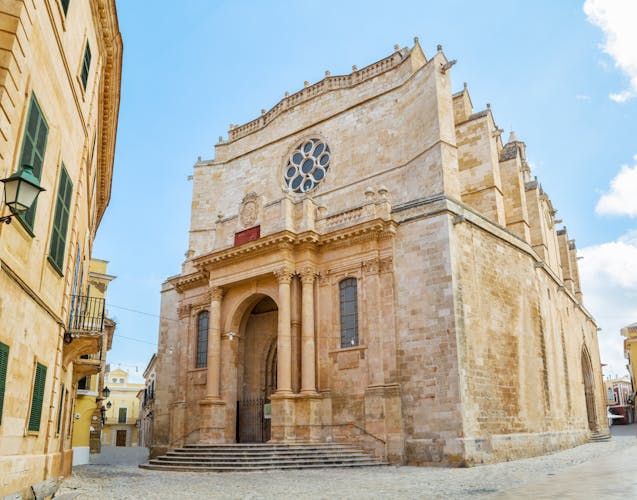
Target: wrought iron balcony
87,314
84,333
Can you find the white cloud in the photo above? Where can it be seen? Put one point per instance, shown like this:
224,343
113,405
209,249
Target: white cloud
609,282
617,18
622,197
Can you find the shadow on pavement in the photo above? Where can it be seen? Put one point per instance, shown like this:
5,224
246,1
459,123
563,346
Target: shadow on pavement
120,455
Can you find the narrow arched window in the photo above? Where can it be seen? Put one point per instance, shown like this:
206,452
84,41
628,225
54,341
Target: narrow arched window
202,339
349,312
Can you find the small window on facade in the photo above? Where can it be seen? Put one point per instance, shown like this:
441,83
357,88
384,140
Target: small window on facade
202,339
33,148
4,363
38,398
82,384
122,416
86,66
65,5
349,312
61,221
60,406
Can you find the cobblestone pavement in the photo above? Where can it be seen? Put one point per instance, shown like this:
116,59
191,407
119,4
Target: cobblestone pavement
595,470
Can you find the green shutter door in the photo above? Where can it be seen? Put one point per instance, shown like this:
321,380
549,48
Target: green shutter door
61,220
4,362
86,65
33,147
38,398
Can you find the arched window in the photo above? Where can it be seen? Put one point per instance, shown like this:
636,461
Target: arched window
349,312
202,339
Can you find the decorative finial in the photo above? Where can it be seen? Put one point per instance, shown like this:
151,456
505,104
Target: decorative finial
198,159
354,68
465,86
369,193
306,84
415,40
263,111
439,48
287,94
488,105
327,73
396,47
231,126
513,137
220,139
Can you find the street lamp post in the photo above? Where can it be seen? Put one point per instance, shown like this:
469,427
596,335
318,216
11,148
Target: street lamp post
20,192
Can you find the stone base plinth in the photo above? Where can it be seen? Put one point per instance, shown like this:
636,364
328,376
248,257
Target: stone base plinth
213,421
296,417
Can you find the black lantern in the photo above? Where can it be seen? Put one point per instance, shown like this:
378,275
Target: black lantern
20,191
106,392
108,405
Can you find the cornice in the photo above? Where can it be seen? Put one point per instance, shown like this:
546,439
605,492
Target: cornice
287,240
105,14
189,281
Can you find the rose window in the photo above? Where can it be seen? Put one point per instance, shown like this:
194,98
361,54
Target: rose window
307,166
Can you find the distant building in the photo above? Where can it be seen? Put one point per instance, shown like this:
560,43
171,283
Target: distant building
630,350
122,414
369,262
621,399
60,70
88,415
147,405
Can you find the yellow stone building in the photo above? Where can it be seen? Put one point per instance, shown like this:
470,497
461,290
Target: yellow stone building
369,262
87,428
122,415
60,65
630,349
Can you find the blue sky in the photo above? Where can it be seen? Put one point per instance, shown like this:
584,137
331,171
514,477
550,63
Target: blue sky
563,79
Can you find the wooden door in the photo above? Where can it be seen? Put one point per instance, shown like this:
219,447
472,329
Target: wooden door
120,439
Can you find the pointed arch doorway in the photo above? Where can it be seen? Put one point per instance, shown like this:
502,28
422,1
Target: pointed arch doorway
589,390
257,378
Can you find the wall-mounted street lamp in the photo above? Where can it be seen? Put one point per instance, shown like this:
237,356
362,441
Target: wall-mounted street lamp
20,191
106,392
108,405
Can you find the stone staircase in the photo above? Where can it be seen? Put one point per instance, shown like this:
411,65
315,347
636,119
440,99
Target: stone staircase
252,457
597,436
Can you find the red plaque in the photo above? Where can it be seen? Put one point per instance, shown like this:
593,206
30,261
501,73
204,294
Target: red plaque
251,234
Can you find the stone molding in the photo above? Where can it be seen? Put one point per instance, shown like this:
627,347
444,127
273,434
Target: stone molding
283,274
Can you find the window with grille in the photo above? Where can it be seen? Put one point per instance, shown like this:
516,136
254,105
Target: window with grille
202,339
86,66
33,148
349,312
61,220
38,398
4,363
122,416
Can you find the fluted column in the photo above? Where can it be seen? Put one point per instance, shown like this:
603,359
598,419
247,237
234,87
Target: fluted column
308,358
284,335
214,344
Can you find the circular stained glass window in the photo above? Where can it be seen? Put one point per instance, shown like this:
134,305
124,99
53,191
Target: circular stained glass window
307,166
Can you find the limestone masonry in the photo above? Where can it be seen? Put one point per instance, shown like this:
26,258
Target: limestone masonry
369,263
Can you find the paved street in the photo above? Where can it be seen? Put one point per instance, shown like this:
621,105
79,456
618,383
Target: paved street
596,470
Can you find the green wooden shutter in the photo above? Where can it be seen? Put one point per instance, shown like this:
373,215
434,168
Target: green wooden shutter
4,362
86,65
33,147
65,5
38,398
60,408
122,416
61,220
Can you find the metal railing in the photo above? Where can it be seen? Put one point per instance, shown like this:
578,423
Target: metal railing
87,314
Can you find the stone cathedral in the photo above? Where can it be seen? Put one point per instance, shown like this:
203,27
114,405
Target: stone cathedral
370,263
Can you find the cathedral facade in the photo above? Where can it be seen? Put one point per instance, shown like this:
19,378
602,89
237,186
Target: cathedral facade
370,263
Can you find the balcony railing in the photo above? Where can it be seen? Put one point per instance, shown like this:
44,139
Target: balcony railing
87,314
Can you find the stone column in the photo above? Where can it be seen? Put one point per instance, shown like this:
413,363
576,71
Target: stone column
284,335
214,344
308,358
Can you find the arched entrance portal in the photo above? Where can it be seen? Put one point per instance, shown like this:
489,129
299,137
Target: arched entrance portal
257,372
587,373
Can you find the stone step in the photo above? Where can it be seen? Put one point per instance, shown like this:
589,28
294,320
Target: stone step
247,457
191,468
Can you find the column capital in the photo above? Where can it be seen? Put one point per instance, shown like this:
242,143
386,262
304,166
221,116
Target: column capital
283,274
216,293
308,275
184,311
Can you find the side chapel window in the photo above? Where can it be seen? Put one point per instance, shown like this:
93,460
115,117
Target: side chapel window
202,339
349,312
